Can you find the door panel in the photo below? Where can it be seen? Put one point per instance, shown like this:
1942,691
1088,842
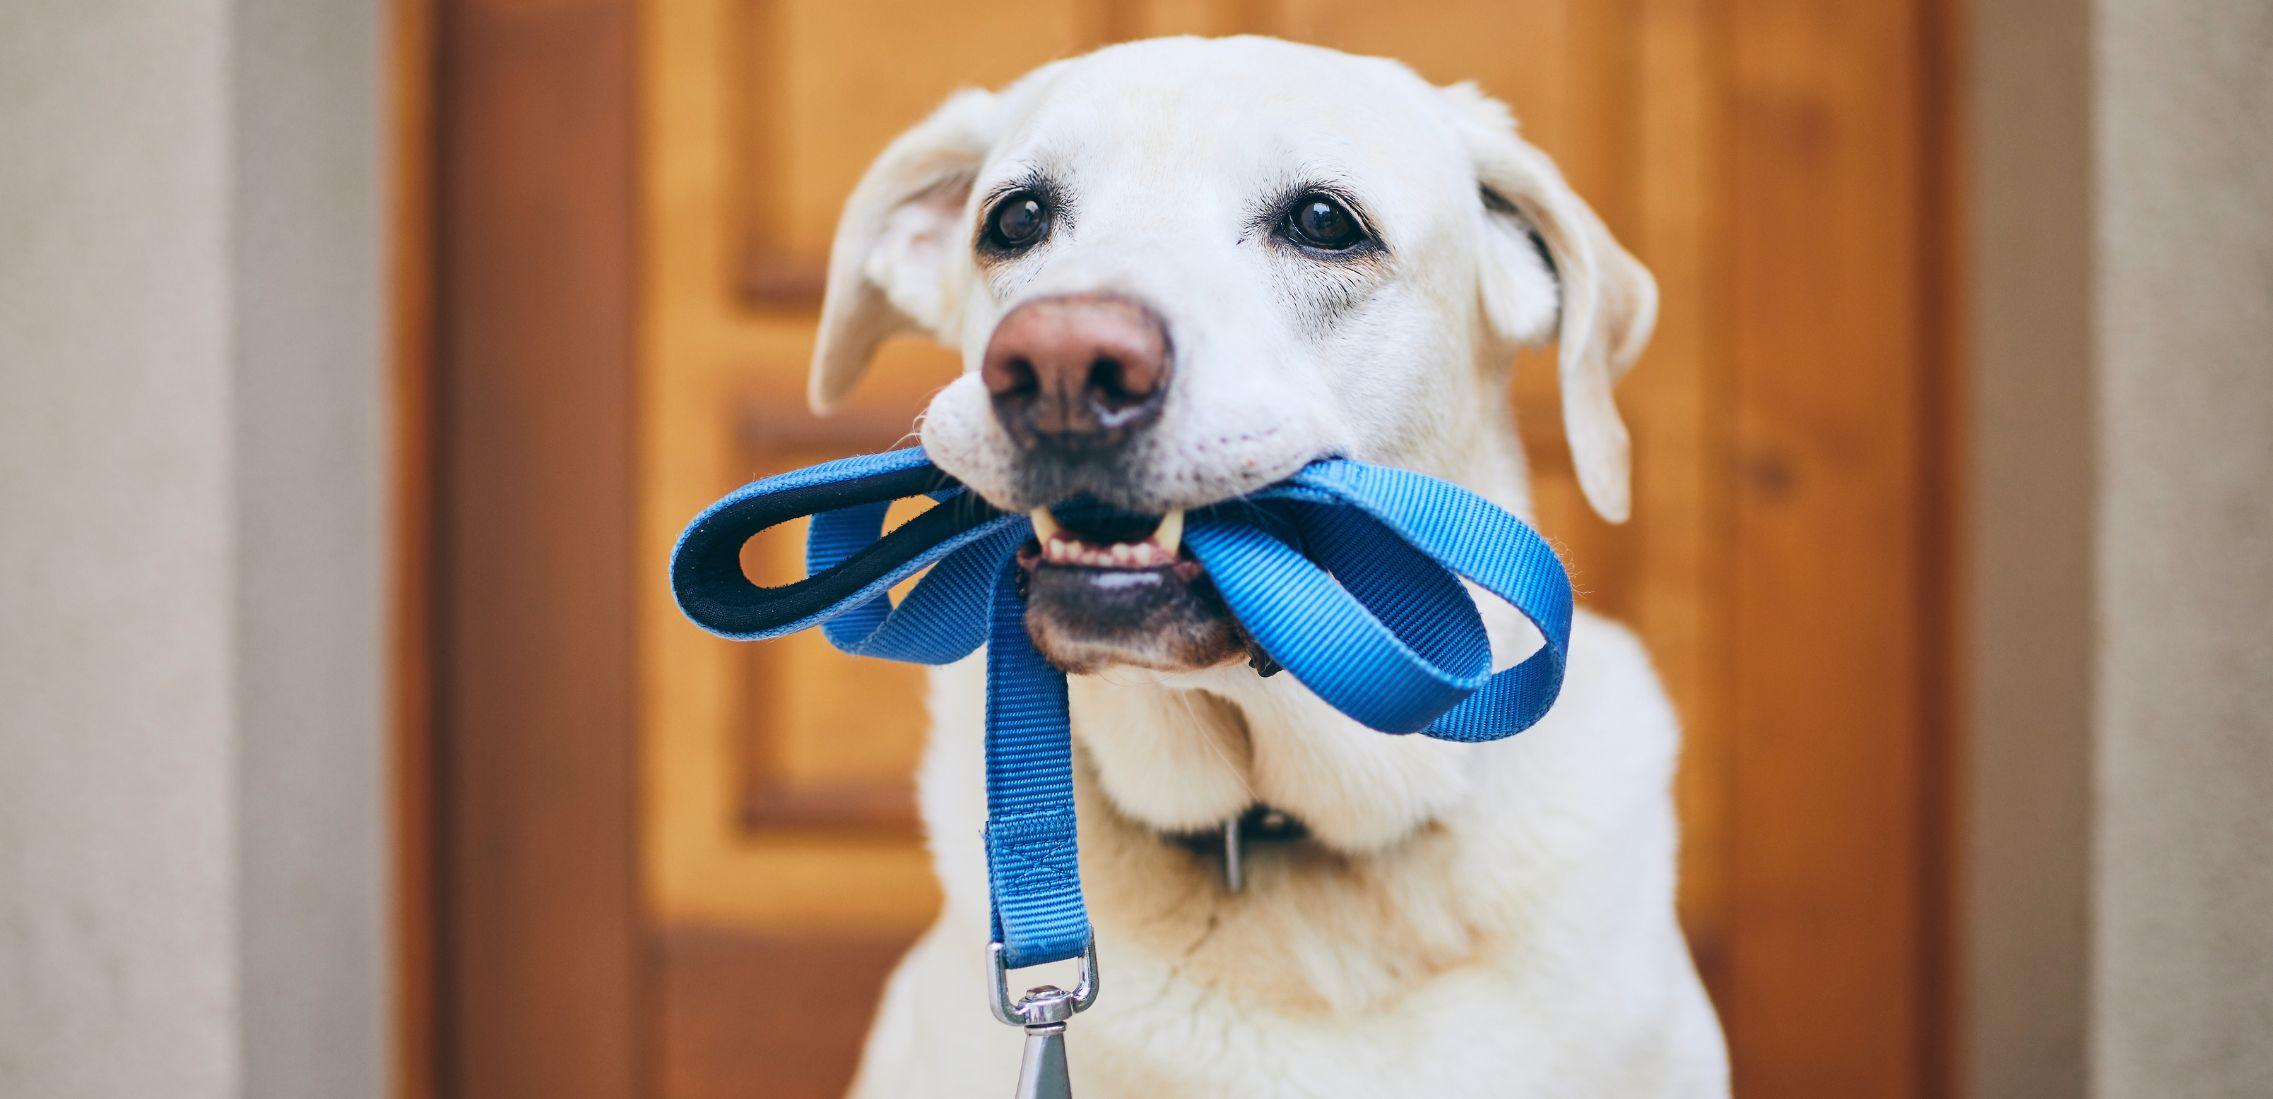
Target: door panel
822,750
824,84
783,861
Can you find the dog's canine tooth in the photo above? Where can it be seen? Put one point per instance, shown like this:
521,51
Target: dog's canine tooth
1061,546
1170,535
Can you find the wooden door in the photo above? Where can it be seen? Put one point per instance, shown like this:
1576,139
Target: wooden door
739,835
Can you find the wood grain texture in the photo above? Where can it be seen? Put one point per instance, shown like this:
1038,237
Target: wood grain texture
540,973
825,748
1833,390
737,1018
1678,403
799,150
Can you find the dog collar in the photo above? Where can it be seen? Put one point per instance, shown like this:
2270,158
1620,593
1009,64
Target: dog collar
1347,575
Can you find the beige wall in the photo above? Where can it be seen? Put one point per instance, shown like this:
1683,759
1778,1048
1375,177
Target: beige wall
2182,1000
2121,893
309,553
191,857
117,694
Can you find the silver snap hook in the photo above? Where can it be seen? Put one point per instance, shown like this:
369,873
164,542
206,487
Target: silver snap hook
1043,1012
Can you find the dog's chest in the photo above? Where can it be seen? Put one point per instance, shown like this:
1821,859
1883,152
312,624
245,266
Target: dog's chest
1448,1045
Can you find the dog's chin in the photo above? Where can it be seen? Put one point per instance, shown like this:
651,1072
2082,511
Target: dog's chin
1087,619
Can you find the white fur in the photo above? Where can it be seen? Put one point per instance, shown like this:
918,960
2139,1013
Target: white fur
1468,919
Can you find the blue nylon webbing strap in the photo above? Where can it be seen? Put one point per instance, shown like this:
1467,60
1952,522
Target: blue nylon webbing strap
1347,574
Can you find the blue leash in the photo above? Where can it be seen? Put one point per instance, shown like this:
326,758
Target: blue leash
1346,574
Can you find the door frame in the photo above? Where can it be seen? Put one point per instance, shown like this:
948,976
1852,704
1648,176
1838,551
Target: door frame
519,954
514,676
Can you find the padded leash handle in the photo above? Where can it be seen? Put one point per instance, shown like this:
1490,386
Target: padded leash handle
706,566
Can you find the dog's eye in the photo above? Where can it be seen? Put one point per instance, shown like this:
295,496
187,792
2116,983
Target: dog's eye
1016,222
1319,221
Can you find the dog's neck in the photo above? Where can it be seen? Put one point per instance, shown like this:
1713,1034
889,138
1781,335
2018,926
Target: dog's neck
1378,816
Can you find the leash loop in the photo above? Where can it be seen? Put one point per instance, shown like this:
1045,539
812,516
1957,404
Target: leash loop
1348,575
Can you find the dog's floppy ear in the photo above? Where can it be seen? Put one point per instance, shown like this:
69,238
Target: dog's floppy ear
1607,299
890,270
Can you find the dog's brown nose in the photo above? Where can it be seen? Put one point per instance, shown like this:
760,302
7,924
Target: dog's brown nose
1077,371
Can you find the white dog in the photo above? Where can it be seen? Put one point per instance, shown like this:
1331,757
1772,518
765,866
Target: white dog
1178,270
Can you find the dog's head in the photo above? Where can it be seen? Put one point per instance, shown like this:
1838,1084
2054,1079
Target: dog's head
1181,269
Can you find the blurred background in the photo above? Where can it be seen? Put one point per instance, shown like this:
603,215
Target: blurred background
362,360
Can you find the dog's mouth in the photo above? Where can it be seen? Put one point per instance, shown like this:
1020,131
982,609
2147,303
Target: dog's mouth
1107,587
1109,541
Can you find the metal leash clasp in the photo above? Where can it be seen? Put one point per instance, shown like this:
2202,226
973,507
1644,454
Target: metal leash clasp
1043,1011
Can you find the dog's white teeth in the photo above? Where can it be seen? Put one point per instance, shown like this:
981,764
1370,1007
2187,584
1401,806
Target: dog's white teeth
1170,534
1062,547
